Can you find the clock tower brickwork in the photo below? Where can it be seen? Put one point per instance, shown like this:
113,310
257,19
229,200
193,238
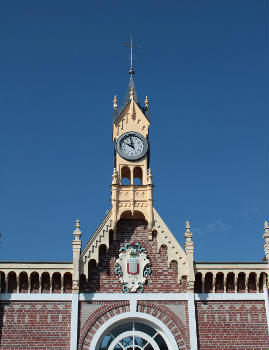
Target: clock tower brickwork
133,286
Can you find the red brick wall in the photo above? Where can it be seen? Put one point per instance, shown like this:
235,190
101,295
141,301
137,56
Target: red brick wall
162,311
90,322
163,279
97,318
232,325
35,325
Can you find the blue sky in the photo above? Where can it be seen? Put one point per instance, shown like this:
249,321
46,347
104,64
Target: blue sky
204,67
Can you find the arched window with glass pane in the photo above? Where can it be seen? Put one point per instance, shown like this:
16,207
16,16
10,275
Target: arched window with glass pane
133,336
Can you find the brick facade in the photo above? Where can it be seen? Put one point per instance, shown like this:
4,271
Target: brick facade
94,320
232,325
163,278
35,325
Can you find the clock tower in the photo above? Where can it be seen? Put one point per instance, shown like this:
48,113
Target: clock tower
131,180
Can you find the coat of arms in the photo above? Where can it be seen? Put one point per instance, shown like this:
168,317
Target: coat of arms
133,267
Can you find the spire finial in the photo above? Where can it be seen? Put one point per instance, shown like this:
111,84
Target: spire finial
147,102
115,102
189,246
77,232
131,47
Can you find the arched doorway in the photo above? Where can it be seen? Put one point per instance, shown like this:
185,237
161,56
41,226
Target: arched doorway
126,332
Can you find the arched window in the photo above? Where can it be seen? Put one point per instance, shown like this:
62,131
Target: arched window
45,282
125,176
56,282
230,283
198,282
67,282
209,282
23,282
252,282
133,336
241,282
3,282
12,282
34,282
92,275
138,176
262,281
174,266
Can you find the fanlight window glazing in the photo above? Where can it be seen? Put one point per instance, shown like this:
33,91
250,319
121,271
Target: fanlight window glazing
133,336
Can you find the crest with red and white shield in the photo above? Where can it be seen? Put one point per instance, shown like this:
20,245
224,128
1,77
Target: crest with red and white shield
133,267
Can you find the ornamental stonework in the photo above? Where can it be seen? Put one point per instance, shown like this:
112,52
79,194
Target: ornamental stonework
132,267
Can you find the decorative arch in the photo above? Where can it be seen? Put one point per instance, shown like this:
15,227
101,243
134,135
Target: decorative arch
252,284
230,285
198,284
129,215
56,282
3,282
139,317
67,282
23,282
125,176
45,282
12,282
219,286
209,282
138,176
241,282
34,282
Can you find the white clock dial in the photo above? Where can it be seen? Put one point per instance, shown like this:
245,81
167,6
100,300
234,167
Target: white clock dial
132,146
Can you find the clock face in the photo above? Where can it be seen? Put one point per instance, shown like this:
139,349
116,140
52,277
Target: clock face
132,146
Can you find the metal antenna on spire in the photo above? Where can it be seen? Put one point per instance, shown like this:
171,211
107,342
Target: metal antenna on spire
131,47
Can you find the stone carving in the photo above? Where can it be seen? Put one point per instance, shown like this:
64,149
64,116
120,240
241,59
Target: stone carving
133,267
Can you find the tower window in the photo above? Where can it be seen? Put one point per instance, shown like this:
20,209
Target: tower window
125,176
138,176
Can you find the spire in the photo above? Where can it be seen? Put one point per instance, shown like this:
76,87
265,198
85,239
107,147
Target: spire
131,91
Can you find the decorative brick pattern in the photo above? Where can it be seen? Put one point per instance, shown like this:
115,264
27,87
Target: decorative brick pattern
232,325
35,325
97,318
170,319
163,278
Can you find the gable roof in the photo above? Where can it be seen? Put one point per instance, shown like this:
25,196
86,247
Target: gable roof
118,110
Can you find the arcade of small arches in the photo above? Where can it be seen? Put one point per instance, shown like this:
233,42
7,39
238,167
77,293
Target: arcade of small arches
35,282
218,282
230,282
131,176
